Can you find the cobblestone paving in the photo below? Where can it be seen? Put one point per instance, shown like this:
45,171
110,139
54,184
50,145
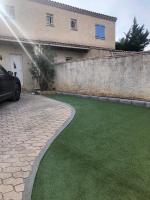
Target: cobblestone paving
25,128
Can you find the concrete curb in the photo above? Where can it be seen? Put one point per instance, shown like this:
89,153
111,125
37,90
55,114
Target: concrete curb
29,182
112,99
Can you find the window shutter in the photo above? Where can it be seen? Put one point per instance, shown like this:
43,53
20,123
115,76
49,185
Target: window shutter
100,31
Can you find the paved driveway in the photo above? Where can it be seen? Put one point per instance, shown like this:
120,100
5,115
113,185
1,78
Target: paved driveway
27,128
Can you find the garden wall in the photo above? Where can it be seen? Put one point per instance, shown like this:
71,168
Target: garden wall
126,77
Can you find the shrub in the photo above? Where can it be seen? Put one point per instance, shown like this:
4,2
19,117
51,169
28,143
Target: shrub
42,68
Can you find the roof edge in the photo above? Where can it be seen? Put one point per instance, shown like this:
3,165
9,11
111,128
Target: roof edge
52,43
75,9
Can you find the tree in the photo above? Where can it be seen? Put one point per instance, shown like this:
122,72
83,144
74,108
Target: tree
121,44
135,40
42,68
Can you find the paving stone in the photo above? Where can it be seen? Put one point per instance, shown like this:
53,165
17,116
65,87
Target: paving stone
5,188
13,181
5,175
12,169
13,196
26,127
26,158
27,168
21,174
20,164
19,188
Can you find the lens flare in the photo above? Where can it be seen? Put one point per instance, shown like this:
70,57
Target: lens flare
8,22
15,30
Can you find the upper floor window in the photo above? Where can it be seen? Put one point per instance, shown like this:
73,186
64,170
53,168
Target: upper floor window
10,10
49,19
68,59
73,24
100,32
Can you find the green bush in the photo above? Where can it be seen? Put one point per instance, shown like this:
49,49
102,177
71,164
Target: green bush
42,69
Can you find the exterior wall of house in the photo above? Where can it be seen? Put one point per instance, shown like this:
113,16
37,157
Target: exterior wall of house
125,77
30,24
10,48
30,20
101,53
61,54
6,50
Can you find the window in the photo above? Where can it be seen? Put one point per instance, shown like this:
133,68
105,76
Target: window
10,10
100,32
49,19
68,59
73,24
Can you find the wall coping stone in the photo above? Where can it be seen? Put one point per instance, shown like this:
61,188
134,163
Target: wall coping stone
144,53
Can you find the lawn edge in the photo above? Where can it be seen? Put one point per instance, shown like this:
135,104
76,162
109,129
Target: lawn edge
29,182
135,102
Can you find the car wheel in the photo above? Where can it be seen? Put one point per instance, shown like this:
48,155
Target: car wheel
17,92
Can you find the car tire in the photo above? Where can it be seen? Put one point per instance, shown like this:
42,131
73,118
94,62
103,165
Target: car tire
17,92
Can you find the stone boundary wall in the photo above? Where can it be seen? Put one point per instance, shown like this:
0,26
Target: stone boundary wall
118,53
125,76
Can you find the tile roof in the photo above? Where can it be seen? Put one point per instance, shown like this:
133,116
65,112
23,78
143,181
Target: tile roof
75,9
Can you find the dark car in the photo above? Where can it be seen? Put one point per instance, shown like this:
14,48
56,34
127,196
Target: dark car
10,86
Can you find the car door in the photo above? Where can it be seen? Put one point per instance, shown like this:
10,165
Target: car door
6,83
2,82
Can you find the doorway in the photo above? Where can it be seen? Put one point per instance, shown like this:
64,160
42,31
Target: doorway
16,66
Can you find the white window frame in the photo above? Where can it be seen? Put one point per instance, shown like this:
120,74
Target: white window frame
49,19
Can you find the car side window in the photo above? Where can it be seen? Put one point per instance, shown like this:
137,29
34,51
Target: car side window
2,71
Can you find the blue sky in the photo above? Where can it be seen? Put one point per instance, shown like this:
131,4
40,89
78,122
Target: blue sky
124,10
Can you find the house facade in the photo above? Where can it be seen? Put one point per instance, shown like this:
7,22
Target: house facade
72,33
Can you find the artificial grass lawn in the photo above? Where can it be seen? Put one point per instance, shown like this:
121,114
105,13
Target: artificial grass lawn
104,154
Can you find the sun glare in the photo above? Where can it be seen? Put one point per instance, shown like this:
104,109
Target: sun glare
14,29
8,23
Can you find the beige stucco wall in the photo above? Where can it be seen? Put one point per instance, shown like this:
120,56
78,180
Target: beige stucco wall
9,48
101,53
6,50
30,23
119,77
61,54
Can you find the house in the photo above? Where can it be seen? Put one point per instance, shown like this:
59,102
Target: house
71,32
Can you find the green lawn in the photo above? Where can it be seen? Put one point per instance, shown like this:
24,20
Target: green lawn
104,154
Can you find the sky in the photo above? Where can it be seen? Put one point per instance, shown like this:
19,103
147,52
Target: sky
124,10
